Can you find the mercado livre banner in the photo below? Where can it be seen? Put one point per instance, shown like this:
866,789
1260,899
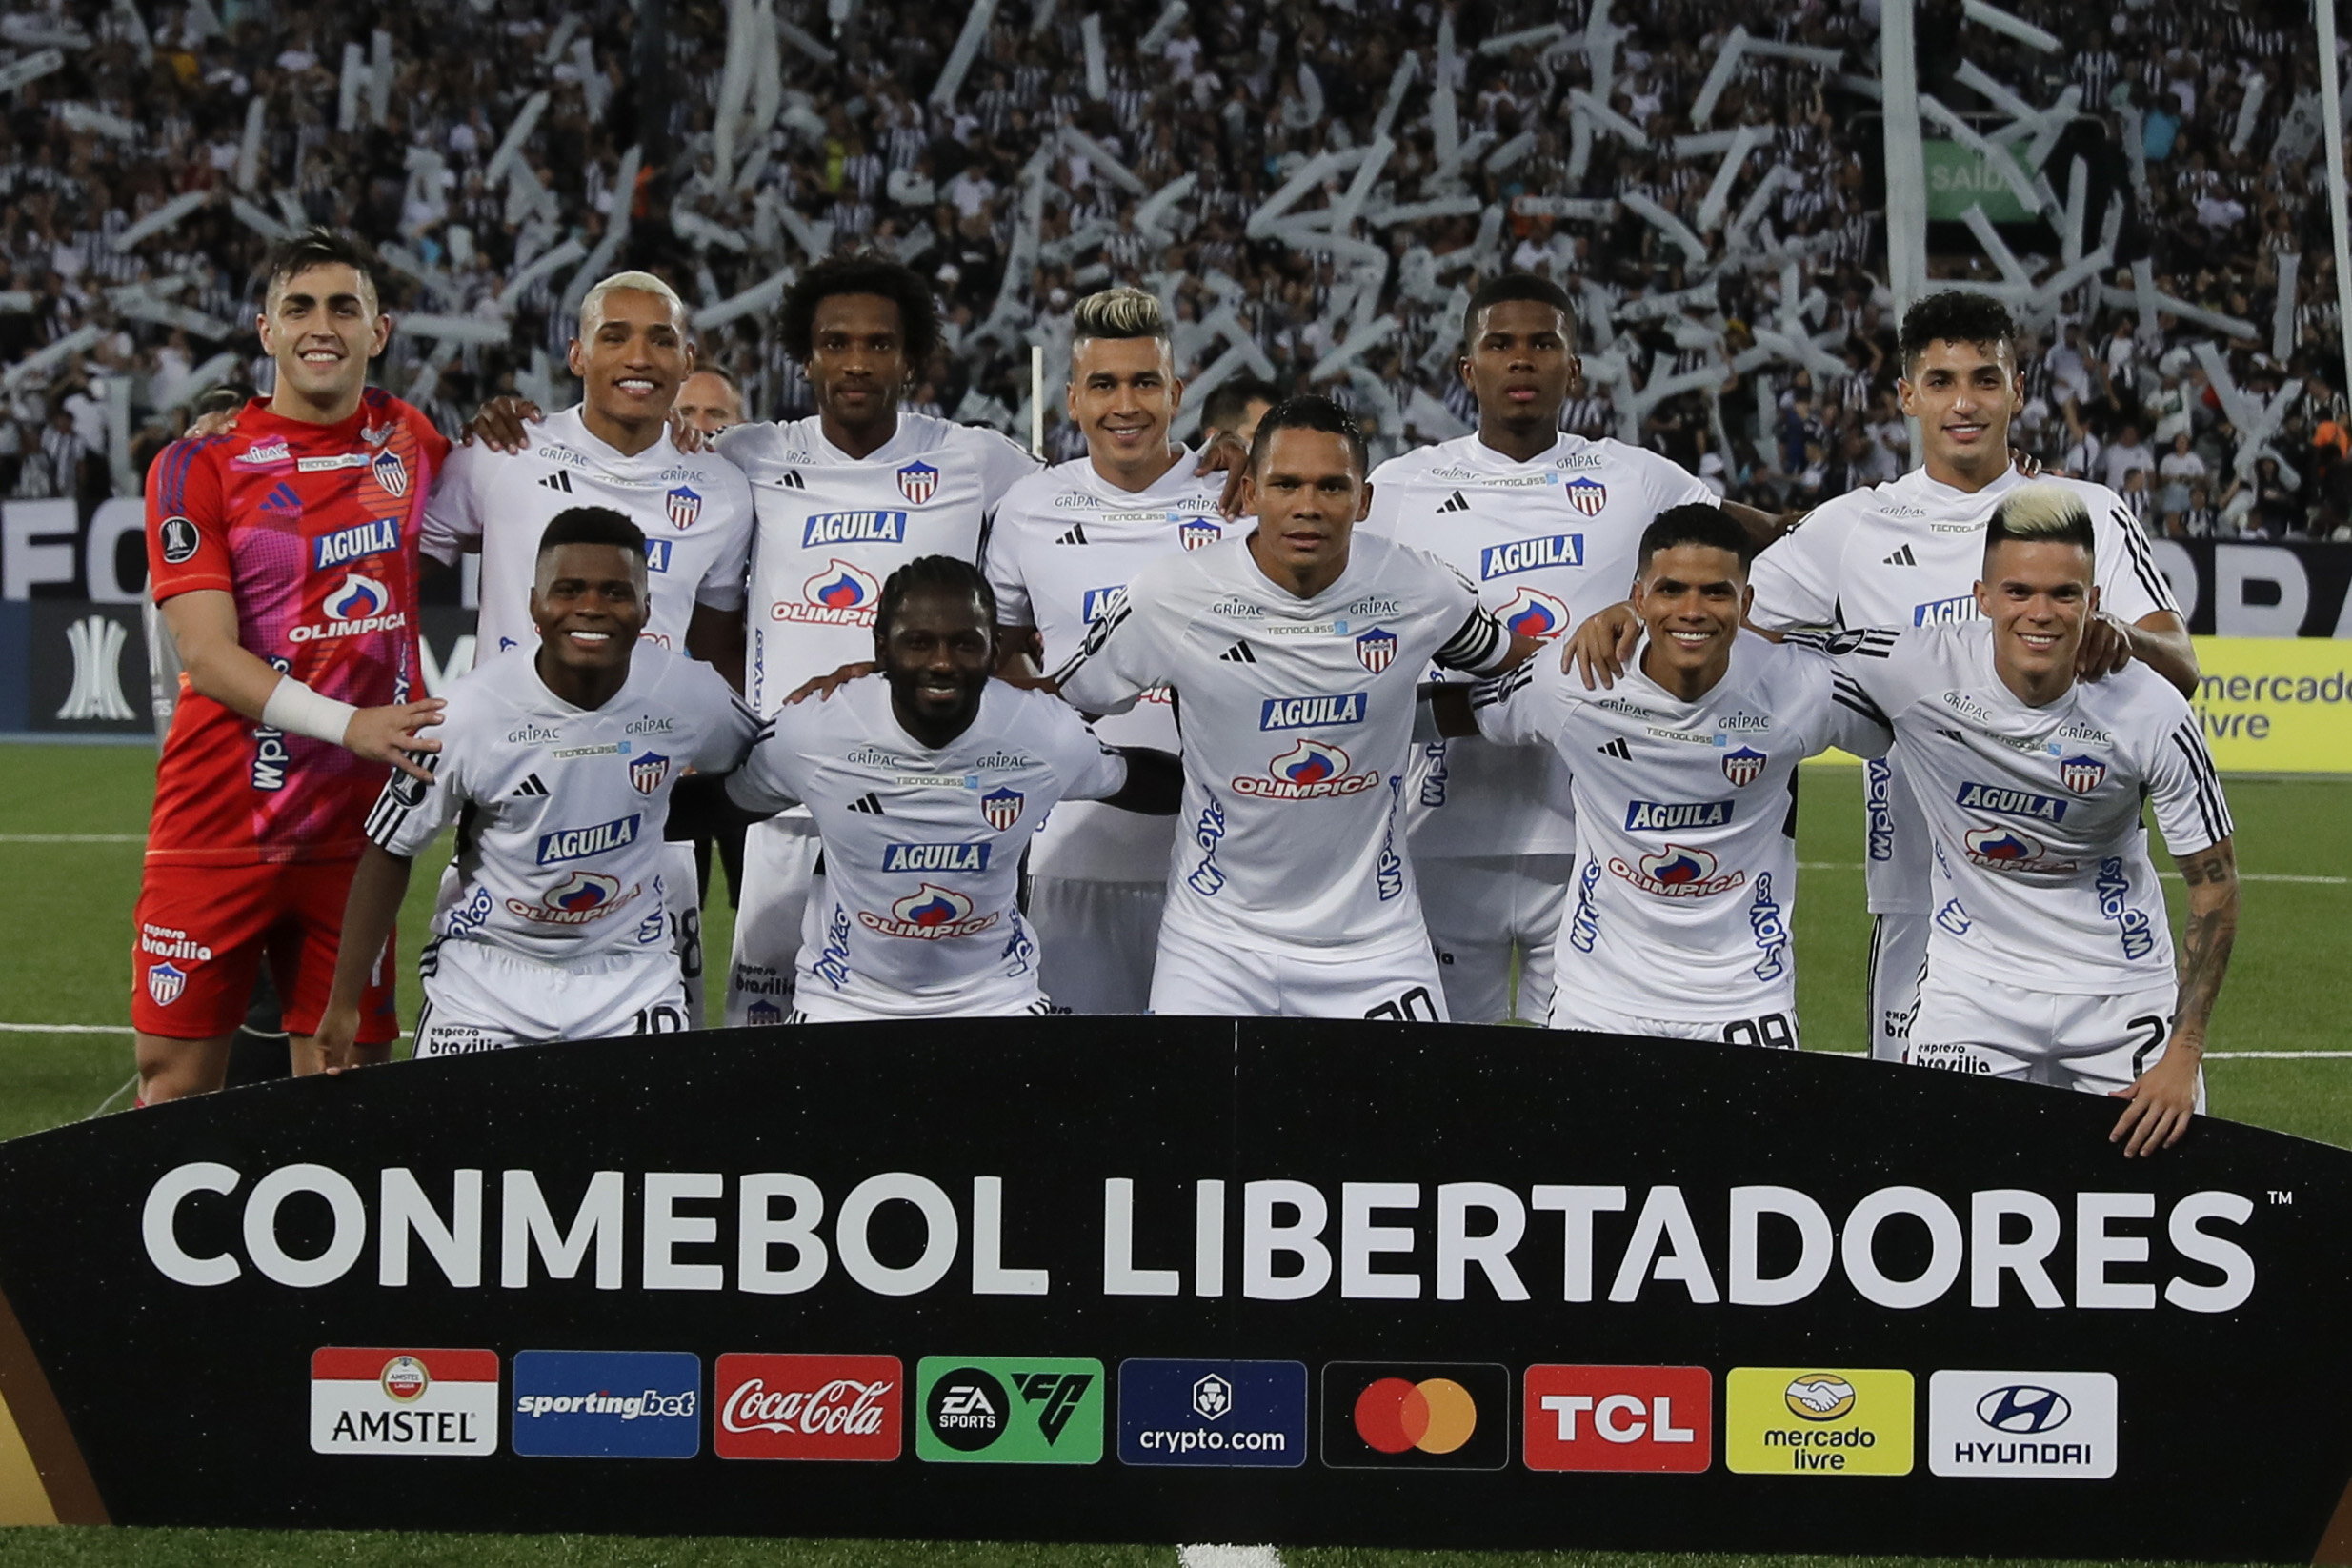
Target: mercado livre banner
1186,1279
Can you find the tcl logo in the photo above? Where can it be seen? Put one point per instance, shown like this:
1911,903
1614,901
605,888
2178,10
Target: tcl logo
1656,1420
809,1407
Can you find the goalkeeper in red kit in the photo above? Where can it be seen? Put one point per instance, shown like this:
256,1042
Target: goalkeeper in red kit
284,561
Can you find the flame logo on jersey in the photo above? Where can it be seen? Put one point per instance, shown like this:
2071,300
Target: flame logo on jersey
580,897
2082,774
358,598
929,914
390,473
918,482
1534,615
1198,532
1376,650
685,506
1586,495
1744,766
1311,769
1678,872
841,594
1311,762
2006,848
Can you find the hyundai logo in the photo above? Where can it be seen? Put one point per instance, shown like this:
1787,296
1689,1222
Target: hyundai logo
2023,1408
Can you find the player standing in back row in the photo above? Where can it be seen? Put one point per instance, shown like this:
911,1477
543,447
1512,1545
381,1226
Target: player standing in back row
1294,654
284,562
1063,545
844,499
1906,554
1548,526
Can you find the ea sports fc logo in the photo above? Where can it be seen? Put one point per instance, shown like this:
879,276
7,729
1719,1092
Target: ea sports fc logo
1312,770
841,594
1534,615
928,914
1678,872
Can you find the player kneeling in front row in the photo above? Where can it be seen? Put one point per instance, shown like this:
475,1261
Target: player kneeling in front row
2050,958
557,763
1685,778
927,781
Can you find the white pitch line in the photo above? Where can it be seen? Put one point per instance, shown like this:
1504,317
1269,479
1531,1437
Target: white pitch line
2167,876
72,838
2210,1056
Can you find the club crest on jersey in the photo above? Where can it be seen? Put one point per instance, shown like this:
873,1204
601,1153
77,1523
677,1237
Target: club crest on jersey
684,507
919,481
1586,495
1312,770
1001,807
1678,872
2004,801
646,773
841,594
1376,650
2082,774
1515,555
165,982
929,914
1744,766
1534,615
854,527
390,473
1198,532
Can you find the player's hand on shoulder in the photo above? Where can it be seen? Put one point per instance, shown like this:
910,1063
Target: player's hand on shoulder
1225,454
389,734
500,426
1601,646
2106,647
218,422
823,687
689,437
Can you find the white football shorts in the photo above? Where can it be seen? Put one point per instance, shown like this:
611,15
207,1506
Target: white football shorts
479,998
779,868
2095,1044
1773,1031
681,896
1096,941
1477,911
1250,977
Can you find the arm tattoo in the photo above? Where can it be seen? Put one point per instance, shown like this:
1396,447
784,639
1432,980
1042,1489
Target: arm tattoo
2208,933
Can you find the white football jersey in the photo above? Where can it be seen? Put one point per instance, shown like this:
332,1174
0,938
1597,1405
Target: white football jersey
922,848
1686,820
696,511
1064,543
1297,720
833,528
1548,542
2041,876
560,852
1908,552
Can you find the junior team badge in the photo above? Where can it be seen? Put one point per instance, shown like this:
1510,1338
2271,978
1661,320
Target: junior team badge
165,982
685,506
1587,495
2082,774
390,473
1002,807
1376,650
646,773
1744,766
1198,532
918,482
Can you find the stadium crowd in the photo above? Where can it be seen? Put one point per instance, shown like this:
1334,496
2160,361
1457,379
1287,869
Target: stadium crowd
752,137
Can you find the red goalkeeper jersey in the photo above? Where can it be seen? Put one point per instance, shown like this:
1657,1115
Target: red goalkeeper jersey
314,529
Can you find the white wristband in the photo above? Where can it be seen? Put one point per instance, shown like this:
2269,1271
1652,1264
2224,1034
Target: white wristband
298,711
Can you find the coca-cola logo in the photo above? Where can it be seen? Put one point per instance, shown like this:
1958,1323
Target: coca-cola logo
809,1407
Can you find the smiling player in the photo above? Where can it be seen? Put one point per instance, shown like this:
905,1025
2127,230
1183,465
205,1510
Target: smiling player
557,764
1685,779
927,781
284,563
2049,956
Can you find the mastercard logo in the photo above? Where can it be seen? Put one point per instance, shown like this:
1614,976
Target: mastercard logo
1437,1416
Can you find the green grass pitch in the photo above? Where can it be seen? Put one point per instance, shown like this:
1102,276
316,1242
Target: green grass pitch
70,823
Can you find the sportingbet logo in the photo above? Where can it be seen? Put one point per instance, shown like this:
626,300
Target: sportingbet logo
1530,555
349,544
579,1404
1658,1421
1818,1421
941,857
418,1402
1314,713
579,843
2006,801
2057,1425
808,1407
1665,817
1009,1410
855,527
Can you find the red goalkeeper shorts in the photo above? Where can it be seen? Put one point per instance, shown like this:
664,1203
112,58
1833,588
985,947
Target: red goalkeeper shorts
199,934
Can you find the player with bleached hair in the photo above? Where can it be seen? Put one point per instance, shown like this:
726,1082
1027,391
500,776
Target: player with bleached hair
1679,921
556,763
2049,955
1064,543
